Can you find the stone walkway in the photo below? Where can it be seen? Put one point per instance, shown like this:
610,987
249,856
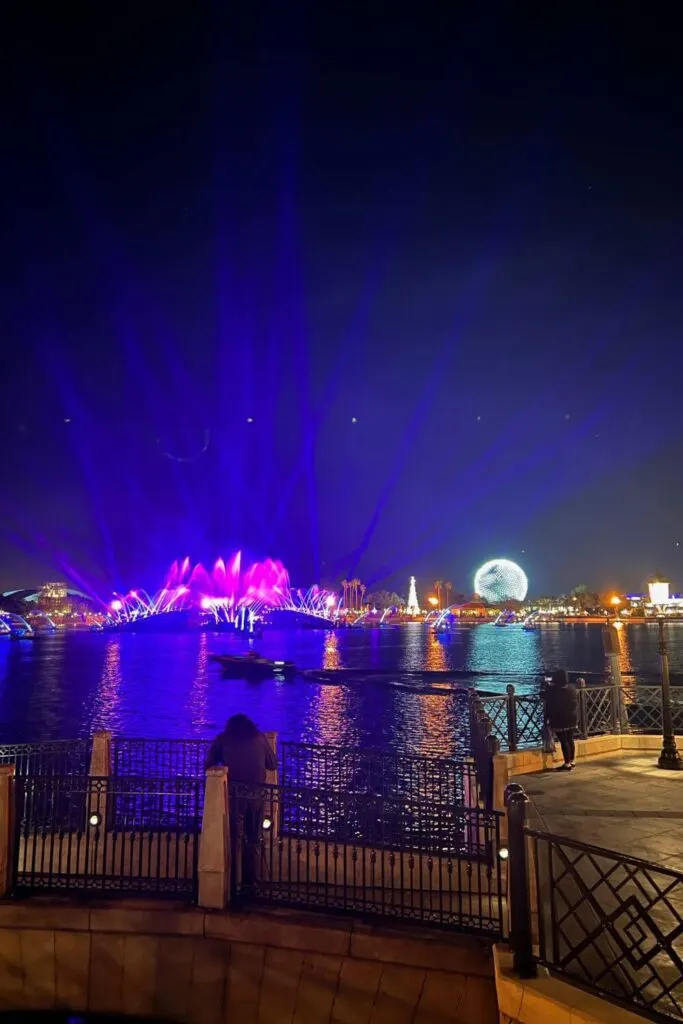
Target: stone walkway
623,803
605,923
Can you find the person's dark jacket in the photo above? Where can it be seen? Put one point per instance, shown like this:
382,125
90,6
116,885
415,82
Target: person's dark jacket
247,760
562,707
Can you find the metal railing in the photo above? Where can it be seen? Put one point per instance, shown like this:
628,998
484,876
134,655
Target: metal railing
49,757
604,920
611,922
106,836
517,719
159,759
366,856
377,773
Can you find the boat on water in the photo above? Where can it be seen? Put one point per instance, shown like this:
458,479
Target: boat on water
253,666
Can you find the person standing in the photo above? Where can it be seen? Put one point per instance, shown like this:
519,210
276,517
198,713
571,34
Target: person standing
562,714
247,755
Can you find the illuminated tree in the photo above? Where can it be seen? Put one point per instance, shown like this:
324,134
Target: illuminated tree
413,608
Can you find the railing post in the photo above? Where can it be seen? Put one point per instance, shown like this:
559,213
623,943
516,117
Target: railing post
7,826
214,842
100,768
273,779
583,718
615,708
524,962
100,755
512,717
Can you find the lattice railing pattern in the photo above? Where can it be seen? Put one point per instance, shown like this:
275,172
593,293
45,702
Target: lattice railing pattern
598,708
495,705
612,922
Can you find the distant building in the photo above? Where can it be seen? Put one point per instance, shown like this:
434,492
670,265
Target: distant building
55,599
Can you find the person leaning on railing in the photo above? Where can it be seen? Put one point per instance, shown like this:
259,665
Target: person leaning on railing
562,715
247,755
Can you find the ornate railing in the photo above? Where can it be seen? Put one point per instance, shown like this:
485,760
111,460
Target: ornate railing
367,855
49,757
611,922
106,836
517,719
445,781
159,759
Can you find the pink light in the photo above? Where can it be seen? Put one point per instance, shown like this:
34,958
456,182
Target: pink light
330,600
133,593
116,605
206,603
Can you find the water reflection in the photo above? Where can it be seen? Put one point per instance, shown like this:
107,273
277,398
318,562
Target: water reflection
413,635
625,662
424,723
198,704
330,718
435,659
165,686
510,650
107,703
331,656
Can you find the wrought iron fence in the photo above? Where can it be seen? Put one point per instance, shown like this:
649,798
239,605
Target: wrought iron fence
159,759
516,720
49,757
612,923
107,836
378,773
367,856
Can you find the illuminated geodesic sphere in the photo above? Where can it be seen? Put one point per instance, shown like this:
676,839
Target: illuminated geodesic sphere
500,580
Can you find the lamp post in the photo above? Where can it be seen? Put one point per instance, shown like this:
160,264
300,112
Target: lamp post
669,757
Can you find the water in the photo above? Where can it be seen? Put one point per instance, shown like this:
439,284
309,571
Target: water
67,685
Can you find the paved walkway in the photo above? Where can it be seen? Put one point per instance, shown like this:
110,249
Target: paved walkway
604,923
623,803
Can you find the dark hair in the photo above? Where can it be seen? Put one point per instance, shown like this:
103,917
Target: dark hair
560,677
240,728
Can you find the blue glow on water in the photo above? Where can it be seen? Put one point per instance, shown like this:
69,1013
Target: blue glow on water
157,685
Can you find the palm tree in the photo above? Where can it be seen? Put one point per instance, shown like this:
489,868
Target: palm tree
449,587
345,588
437,586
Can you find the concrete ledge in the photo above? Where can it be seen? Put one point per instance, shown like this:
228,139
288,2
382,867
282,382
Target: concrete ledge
549,1000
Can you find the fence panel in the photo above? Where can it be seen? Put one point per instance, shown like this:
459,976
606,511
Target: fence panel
530,718
599,705
612,923
495,706
643,708
376,772
159,759
48,758
107,836
346,852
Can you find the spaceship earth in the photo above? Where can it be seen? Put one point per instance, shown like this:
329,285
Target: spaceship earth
500,580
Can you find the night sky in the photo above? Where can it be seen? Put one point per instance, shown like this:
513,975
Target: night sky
375,292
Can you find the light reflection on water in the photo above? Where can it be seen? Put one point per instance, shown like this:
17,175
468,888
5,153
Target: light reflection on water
166,685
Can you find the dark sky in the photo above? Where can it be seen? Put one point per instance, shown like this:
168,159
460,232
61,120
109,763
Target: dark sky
431,251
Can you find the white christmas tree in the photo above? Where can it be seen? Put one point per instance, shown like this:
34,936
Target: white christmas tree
412,607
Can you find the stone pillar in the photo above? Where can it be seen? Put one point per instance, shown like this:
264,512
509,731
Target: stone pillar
100,757
100,768
214,842
6,828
